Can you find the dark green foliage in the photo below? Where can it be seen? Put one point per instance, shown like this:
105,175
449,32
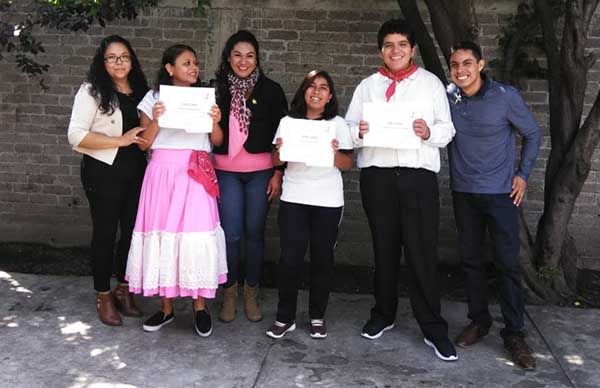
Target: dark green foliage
18,38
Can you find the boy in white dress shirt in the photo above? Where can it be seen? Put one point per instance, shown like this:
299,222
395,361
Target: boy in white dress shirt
399,187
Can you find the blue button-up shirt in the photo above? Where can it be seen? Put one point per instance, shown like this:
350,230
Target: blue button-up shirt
483,151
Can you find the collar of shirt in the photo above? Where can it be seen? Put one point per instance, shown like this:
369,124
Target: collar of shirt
487,82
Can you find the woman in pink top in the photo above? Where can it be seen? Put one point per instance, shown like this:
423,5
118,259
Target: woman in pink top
251,106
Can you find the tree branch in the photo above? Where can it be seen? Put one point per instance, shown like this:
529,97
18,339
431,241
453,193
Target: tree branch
429,54
589,7
452,22
588,138
444,31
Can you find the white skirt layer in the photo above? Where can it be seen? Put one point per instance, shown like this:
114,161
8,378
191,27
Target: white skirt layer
177,264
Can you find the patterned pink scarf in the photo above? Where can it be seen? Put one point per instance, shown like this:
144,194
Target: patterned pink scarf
395,77
201,170
238,87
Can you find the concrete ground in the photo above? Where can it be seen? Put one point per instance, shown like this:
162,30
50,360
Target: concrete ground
50,337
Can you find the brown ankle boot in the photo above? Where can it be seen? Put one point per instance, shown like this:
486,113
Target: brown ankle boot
227,312
107,312
251,307
124,301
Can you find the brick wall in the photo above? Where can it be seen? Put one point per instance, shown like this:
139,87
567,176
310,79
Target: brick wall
41,198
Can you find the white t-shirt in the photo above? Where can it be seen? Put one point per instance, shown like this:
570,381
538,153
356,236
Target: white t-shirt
316,186
171,138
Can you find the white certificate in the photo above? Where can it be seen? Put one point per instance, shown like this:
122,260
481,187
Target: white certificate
187,108
307,141
391,125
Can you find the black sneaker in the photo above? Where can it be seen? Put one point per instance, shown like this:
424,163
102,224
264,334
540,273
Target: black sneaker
374,328
444,350
279,329
203,323
158,320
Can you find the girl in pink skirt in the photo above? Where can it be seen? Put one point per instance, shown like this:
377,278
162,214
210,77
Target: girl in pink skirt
178,246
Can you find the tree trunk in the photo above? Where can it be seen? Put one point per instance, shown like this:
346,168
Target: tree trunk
427,49
569,161
537,290
453,21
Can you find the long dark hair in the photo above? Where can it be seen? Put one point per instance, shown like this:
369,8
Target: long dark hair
224,69
298,106
170,56
103,87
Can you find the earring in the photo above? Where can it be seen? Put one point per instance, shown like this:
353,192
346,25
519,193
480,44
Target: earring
170,74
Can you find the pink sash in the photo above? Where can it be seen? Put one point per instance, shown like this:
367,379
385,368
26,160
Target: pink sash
202,171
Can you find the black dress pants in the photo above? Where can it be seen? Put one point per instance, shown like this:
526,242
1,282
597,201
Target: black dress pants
300,225
402,206
113,192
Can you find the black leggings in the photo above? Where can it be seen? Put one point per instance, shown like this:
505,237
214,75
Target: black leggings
300,225
113,193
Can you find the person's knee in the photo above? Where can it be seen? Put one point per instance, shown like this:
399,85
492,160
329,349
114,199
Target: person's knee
509,266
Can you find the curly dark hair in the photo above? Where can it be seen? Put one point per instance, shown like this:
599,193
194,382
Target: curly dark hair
298,106
102,86
224,69
169,57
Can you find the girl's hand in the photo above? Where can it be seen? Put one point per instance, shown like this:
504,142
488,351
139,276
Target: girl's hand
274,186
157,110
335,144
363,127
131,137
278,144
215,114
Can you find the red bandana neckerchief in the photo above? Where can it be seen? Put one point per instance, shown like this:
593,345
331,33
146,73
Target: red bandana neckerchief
396,77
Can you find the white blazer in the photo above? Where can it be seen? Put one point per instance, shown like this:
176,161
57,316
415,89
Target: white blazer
87,117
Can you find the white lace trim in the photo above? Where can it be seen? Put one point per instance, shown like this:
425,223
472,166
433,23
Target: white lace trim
189,260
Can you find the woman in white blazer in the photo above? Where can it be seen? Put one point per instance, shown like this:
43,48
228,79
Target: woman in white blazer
104,127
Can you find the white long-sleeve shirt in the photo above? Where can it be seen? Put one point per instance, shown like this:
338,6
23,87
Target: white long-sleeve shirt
421,87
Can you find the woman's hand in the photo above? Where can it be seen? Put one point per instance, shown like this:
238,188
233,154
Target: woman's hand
157,110
131,137
335,144
274,186
215,114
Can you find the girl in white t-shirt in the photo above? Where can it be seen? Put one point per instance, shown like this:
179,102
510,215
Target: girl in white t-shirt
178,246
310,209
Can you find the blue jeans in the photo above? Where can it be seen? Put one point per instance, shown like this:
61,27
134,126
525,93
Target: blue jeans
474,213
243,209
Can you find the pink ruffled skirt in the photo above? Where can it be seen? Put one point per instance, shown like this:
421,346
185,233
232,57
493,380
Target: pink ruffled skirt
178,245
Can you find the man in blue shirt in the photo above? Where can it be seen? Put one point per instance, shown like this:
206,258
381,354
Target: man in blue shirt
487,189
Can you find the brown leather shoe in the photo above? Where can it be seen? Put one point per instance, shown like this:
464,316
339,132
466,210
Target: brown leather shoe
124,301
470,335
107,312
520,352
